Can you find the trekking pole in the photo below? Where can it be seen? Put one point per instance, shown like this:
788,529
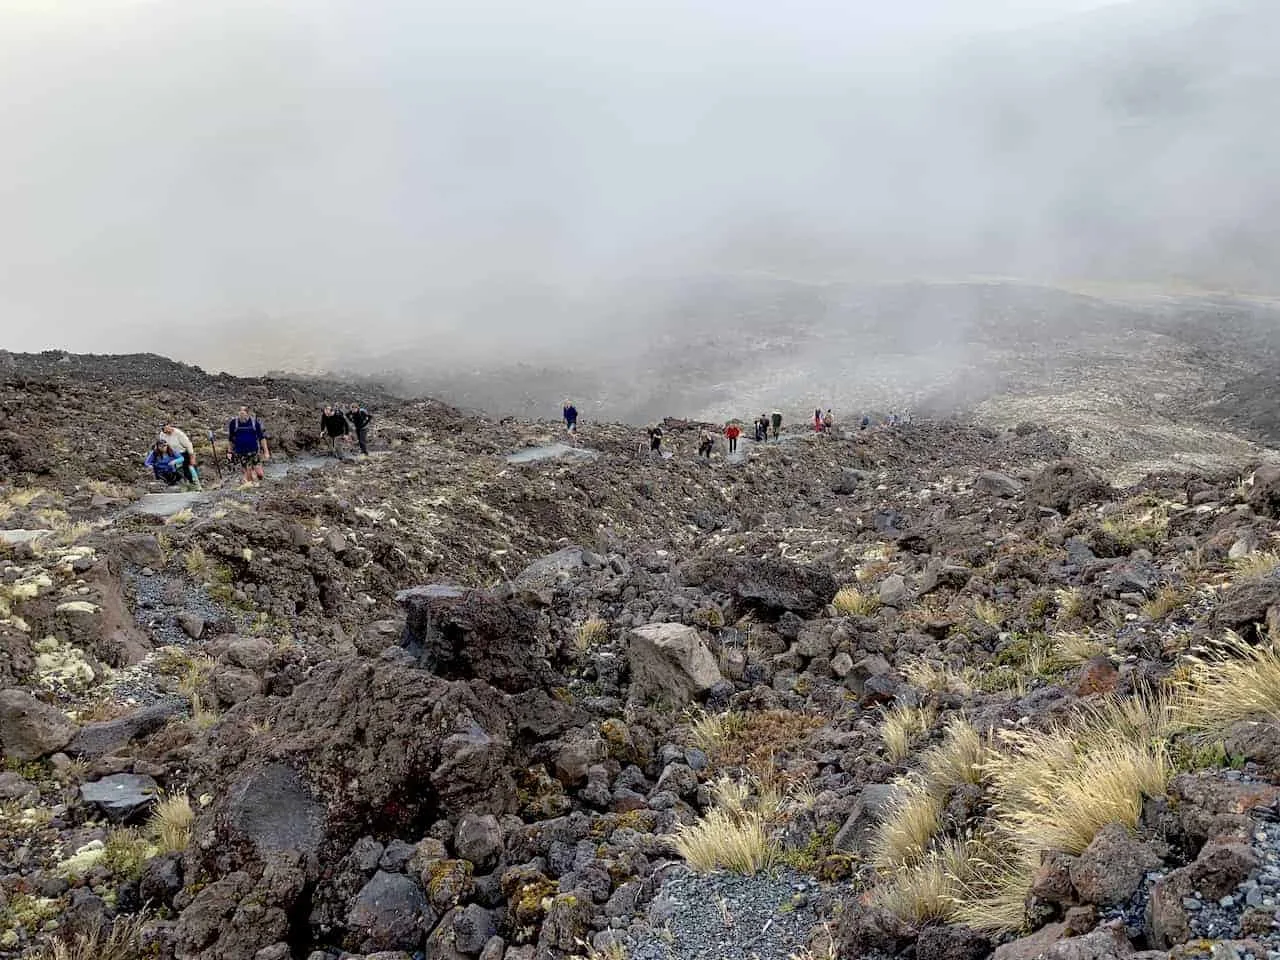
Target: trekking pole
214,447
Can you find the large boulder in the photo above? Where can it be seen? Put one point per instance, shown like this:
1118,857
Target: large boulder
670,661
768,586
478,634
996,484
1112,867
30,729
870,810
122,796
99,739
273,809
390,913
1067,485
1245,603
1264,490
538,581
383,745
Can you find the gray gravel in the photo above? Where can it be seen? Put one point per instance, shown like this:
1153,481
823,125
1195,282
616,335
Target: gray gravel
158,599
726,916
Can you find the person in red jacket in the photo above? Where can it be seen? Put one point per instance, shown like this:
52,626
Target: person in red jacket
732,432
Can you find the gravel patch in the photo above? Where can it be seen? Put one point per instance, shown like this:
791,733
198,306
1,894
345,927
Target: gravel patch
159,599
726,916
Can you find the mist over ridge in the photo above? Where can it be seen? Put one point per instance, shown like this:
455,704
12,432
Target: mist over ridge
312,185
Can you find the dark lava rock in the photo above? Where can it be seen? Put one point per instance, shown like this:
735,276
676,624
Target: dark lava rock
100,739
121,796
30,729
390,913
1067,485
769,586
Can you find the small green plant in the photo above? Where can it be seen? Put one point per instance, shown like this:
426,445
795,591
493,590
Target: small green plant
1071,604
122,941
124,853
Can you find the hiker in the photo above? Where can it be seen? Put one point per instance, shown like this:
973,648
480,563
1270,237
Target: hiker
827,421
570,417
866,422
776,420
179,442
707,444
817,420
655,438
247,444
165,463
360,419
762,428
333,425
732,432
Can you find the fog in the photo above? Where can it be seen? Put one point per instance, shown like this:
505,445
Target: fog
300,182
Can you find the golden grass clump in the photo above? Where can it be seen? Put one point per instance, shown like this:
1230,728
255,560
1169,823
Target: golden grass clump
122,941
1071,649
959,759
852,601
708,731
988,611
1260,563
1233,681
590,634
1167,600
1071,604
903,726
915,818
926,892
734,840
171,823
940,678
1054,797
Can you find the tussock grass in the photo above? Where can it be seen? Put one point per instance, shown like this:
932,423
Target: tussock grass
988,611
171,823
926,892
1070,649
185,515
123,941
1258,564
1055,797
1045,790
1139,524
124,852
590,634
708,731
903,726
959,759
198,564
852,601
203,716
1071,604
940,678
733,840
903,839
992,891
1167,600
25,496
1230,682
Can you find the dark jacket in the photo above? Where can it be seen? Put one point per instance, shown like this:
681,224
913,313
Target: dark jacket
360,419
334,424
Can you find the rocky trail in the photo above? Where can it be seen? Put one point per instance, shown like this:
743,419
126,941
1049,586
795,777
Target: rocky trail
941,692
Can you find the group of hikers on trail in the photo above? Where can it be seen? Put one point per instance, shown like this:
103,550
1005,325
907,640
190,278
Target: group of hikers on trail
172,458
335,425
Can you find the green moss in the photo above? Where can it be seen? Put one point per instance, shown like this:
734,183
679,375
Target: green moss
28,913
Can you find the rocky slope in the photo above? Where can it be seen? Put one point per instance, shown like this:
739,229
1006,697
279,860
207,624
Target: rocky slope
941,690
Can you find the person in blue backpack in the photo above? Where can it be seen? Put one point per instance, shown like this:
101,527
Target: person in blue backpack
247,444
165,464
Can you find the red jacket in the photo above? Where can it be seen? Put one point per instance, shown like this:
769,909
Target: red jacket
732,431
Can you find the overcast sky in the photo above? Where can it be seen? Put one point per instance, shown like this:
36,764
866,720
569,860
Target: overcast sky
168,164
